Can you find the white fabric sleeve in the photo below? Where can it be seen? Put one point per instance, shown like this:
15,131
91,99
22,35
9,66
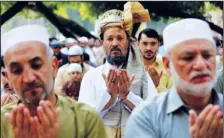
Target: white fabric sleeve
104,100
152,91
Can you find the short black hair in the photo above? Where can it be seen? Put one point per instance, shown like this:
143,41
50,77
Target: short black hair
149,33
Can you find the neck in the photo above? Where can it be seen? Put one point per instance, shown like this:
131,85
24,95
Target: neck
33,107
195,102
148,62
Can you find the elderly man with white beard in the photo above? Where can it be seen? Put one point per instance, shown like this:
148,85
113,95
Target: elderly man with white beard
192,108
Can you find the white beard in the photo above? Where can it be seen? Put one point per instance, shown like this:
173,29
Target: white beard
199,90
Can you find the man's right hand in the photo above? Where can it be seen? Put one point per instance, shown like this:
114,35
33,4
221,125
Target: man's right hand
111,81
208,124
155,76
20,121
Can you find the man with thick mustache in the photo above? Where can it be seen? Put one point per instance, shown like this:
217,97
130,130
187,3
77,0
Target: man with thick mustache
40,113
148,41
116,87
192,108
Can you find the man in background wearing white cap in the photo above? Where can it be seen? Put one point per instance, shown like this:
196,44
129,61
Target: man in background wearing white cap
69,42
116,87
72,86
83,42
40,113
192,108
75,55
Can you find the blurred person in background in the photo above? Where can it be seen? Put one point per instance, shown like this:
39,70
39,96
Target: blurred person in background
99,52
56,47
7,93
148,42
69,42
75,55
83,42
72,86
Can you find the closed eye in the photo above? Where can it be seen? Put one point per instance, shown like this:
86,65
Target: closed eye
36,63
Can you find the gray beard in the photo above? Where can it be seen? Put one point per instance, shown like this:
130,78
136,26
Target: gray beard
117,60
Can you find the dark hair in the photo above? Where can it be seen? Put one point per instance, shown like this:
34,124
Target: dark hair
149,33
2,62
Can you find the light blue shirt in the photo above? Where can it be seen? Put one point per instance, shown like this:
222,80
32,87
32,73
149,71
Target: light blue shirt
165,117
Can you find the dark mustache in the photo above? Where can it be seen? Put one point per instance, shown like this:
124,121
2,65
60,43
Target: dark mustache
115,48
31,85
148,51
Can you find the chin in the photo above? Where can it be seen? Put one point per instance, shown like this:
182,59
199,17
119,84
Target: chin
199,90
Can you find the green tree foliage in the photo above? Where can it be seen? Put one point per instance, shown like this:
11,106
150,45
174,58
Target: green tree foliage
158,10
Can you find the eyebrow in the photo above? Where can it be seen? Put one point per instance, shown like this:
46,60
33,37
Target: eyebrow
192,52
35,59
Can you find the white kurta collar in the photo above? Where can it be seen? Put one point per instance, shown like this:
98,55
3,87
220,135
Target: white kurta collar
107,66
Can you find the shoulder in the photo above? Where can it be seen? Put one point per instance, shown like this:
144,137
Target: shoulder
93,72
8,107
81,110
63,68
151,109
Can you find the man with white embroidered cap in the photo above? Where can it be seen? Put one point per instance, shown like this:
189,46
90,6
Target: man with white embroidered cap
75,55
192,108
40,113
116,87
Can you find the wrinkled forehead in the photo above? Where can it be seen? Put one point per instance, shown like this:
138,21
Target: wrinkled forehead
25,51
196,45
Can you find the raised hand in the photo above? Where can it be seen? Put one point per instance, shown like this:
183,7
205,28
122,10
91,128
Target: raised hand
208,124
125,83
111,81
47,123
154,75
20,121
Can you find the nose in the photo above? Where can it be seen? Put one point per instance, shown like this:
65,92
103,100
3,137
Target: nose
28,76
115,42
200,64
148,47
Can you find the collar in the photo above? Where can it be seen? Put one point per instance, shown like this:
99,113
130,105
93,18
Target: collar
157,62
175,102
107,66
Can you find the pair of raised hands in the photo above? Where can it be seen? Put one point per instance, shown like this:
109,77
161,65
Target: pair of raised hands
208,124
118,83
45,125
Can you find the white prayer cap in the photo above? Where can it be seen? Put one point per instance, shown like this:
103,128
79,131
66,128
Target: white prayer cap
70,40
83,39
24,33
186,29
75,50
64,50
74,67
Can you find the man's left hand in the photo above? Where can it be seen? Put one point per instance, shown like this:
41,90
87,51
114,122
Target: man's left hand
47,123
124,83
